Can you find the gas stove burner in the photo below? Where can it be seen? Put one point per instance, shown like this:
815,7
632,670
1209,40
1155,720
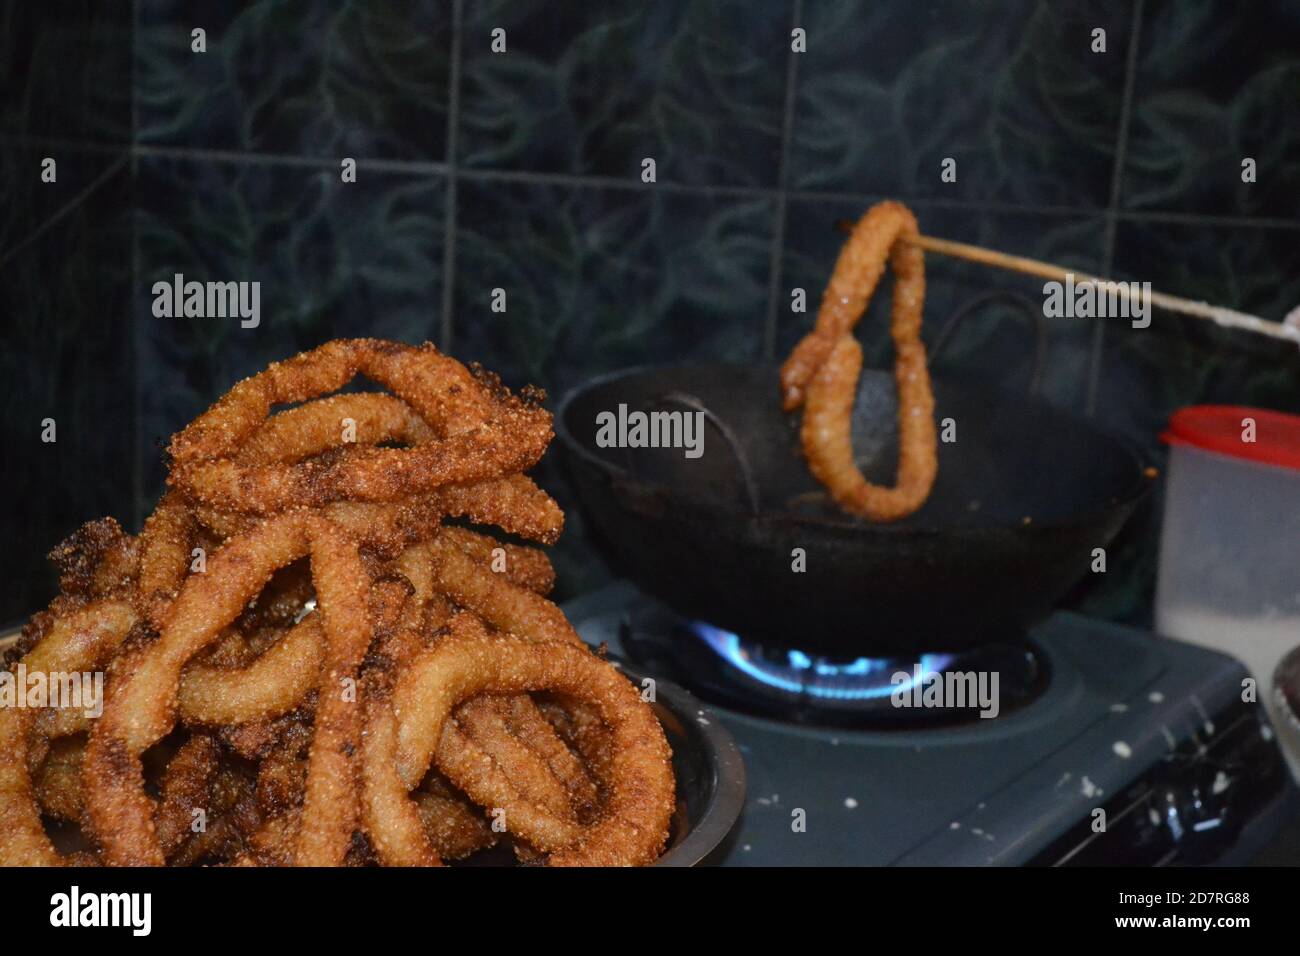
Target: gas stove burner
794,672
939,689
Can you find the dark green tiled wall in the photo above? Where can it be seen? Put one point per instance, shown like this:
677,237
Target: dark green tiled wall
1216,81
1010,90
65,280
333,260
481,170
65,68
593,88
289,77
600,279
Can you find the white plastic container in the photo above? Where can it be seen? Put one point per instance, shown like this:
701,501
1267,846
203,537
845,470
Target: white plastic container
1229,573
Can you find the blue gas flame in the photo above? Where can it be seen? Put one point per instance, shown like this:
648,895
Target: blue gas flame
866,678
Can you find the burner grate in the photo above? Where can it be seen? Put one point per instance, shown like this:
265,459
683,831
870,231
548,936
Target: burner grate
793,686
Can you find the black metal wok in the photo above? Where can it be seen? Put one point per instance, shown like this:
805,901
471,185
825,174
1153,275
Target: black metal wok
1022,498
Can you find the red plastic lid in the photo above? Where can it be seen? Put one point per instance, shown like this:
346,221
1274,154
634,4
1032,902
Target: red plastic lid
1220,428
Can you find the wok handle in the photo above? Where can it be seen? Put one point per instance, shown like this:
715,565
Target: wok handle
1024,304
729,436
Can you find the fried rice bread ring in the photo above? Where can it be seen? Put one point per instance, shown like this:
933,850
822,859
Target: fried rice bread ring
634,825
822,372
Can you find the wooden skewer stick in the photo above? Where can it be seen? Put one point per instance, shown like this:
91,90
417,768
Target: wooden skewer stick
1229,318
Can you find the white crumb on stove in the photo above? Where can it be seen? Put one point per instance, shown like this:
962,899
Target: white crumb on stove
702,722
850,803
835,741
1122,750
1221,782
1065,778
1119,707
1170,739
1089,789
1154,816
981,805
763,802
1156,697
982,834
1266,731
954,825
746,848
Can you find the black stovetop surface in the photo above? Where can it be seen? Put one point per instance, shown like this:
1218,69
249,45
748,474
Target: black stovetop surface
987,792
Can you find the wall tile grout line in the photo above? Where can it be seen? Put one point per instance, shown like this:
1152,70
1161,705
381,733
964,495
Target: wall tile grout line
931,202
612,182
1200,219
420,167
25,141
1095,352
449,224
1121,139
777,256
136,330
7,255
288,159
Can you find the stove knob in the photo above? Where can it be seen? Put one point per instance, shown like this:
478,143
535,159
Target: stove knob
1194,807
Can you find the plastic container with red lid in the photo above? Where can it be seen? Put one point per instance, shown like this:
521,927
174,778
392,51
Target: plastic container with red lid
1230,547
1274,438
